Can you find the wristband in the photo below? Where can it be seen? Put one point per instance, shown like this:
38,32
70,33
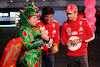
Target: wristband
49,40
49,50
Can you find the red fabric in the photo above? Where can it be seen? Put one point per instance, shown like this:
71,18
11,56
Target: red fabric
44,48
18,22
54,25
82,14
71,8
25,7
30,16
36,8
36,64
83,30
11,53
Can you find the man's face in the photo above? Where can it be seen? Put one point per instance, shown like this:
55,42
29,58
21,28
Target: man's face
71,16
47,18
32,21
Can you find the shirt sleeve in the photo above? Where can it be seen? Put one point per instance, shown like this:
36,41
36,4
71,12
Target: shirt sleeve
63,35
27,43
43,47
37,24
89,33
56,39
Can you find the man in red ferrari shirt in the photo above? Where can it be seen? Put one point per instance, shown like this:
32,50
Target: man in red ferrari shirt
75,35
50,27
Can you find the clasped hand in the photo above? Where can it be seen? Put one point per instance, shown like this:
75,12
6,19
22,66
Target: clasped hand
74,42
53,50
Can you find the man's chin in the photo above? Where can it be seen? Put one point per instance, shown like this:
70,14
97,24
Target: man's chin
34,25
48,22
69,19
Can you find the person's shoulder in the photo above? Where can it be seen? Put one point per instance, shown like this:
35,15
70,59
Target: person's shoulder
65,23
85,22
56,22
83,19
38,21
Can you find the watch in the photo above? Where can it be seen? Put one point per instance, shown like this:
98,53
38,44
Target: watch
80,39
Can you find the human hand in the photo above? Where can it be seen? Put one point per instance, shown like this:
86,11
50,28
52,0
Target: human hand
68,44
45,37
53,50
49,44
76,41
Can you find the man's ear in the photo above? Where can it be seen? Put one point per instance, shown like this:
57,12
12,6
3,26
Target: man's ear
76,13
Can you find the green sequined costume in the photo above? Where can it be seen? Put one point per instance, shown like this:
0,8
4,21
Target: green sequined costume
30,55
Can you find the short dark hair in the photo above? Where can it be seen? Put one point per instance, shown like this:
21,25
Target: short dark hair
47,10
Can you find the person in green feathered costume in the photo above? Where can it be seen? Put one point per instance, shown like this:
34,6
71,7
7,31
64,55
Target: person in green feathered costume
30,55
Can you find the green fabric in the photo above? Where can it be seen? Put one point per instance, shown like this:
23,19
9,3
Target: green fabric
38,42
31,53
26,13
29,11
29,46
